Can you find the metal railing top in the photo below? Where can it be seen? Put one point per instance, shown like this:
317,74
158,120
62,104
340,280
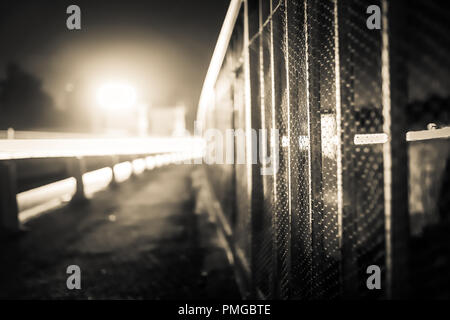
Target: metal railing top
11,149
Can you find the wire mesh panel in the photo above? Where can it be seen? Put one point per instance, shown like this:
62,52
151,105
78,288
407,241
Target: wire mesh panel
301,240
222,171
341,97
323,138
242,223
280,102
262,216
242,219
362,164
269,125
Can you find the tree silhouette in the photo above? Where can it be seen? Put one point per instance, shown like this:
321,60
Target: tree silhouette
24,105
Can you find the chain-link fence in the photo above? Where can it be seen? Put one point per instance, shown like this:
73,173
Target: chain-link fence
360,179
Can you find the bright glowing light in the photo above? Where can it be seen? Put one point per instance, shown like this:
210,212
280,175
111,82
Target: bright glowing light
116,95
123,171
139,166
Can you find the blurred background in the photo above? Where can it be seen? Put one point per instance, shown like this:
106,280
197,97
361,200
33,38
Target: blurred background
50,77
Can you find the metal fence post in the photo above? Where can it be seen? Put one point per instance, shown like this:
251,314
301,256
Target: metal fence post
395,100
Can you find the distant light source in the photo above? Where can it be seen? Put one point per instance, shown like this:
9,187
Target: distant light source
116,96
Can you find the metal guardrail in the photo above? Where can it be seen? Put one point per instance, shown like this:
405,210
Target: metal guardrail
53,147
74,150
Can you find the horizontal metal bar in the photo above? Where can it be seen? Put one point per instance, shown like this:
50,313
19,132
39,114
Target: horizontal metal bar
23,134
370,138
442,133
60,148
380,138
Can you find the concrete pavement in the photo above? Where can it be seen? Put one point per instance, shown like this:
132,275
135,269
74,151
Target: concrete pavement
139,241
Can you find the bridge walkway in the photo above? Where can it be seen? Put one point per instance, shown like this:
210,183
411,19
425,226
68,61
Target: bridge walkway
141,240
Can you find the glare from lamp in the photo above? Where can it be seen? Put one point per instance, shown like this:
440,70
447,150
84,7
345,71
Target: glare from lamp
116,95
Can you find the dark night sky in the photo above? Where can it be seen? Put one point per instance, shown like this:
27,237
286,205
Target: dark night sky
164,46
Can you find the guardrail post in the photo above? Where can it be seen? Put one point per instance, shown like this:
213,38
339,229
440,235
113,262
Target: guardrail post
133,171
114,161
9,212
76,167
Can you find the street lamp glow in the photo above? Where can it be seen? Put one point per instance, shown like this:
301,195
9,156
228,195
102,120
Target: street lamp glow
116,96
